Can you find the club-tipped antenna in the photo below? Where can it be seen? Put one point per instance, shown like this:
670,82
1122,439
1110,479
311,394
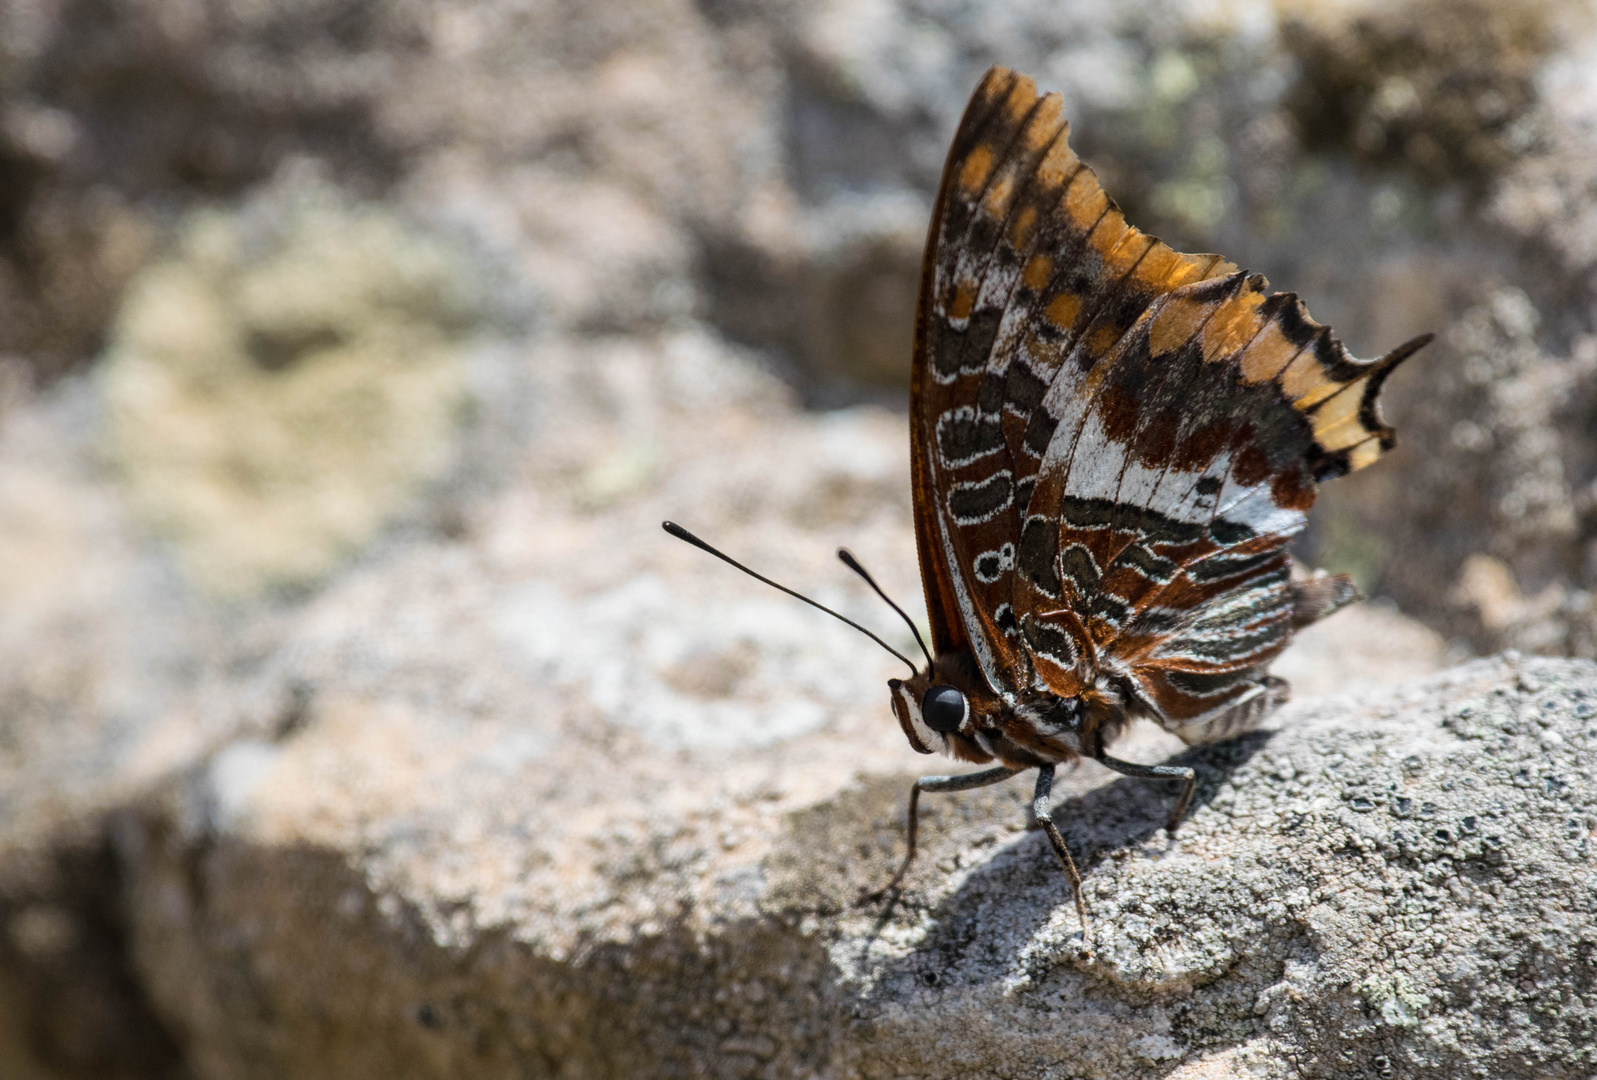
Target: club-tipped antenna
682,534
854,564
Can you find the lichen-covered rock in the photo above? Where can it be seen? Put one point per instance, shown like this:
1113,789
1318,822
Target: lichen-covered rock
285,383
1411,167
767,168
1399,888
548,726
1500,400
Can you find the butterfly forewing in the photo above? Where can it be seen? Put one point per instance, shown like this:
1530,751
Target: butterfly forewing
1027,260
1113,441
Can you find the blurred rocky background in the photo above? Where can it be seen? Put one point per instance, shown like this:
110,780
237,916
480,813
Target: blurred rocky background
355,716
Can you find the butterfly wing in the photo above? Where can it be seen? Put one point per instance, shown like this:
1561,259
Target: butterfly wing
1029,267
1113,442
1180,470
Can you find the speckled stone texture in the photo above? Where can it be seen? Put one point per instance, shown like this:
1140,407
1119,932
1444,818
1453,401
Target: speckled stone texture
528,790
1398,885
1399,888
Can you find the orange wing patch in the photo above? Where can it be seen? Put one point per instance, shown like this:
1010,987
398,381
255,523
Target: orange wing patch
1038,270
1267,354
1270,338
974,172
1175,325
1086,202
1235,323
1063,309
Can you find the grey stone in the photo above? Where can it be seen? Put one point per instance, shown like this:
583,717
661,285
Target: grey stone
1411,167
760,166
1399,884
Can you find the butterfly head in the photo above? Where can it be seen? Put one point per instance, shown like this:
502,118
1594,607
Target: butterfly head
928,712
971,723
940,717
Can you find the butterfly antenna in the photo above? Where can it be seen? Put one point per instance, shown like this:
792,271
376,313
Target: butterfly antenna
854,564
682,534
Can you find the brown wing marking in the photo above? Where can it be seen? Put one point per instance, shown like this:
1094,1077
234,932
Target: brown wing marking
1140,447
1085,548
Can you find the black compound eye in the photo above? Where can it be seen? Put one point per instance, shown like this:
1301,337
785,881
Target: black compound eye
943,708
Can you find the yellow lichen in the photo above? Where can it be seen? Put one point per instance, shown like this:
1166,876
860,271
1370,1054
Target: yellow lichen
284,384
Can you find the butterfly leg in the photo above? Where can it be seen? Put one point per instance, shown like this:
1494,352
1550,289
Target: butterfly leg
966,782
1158,772
1041,808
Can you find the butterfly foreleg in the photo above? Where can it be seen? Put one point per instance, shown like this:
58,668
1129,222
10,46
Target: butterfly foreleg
965,782
1042,810
1188,778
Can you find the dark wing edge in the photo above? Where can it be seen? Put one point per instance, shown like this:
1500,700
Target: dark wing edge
949,633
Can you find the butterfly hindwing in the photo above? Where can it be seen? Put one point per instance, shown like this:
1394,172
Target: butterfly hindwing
1183,468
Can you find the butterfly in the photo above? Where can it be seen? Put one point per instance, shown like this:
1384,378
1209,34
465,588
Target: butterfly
1112,445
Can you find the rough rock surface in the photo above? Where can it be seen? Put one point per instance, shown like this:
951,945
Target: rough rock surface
540,723
1395,886
319,352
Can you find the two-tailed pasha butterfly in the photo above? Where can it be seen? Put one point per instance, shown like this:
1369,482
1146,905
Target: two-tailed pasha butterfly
1113,444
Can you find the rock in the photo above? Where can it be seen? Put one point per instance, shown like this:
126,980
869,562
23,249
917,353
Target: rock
287,382
766,169
1505,466
70,1004
1400,884
585,143
112,117
548,725
1412,167
1411,867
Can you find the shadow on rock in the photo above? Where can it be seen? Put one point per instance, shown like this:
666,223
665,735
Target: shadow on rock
1007,902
